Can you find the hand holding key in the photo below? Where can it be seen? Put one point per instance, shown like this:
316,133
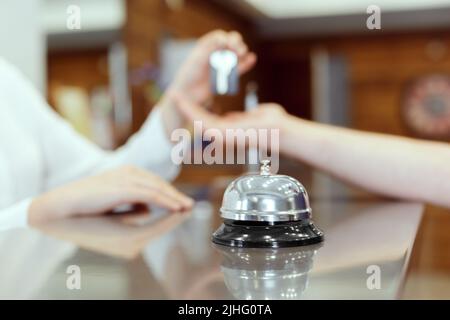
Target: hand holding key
193,78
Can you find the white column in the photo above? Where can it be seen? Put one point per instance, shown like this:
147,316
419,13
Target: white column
22,38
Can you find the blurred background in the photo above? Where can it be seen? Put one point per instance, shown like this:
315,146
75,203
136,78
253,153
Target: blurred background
318,59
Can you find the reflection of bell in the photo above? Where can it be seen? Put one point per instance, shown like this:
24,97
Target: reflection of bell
266,211
267,273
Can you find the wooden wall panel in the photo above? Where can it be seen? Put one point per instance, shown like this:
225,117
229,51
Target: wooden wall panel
381,67
86,69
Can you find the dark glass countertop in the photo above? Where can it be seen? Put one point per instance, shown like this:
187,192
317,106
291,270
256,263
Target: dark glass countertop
170,256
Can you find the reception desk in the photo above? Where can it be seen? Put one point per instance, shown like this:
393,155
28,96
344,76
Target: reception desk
365,255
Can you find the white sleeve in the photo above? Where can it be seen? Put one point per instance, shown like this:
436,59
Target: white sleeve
149,148
68,155
15,216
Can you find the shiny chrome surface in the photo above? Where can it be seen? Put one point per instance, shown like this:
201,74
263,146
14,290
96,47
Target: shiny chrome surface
267,274
265,197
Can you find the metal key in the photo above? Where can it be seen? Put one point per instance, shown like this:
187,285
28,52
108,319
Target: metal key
223,62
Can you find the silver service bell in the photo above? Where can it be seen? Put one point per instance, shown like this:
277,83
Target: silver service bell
266,211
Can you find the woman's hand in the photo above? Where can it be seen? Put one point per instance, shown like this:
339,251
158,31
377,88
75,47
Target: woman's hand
265,116
105,192
268,116
192,80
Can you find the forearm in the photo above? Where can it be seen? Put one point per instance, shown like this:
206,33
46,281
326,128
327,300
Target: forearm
149,148
385,164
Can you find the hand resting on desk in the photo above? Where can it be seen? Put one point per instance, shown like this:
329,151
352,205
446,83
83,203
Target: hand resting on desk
105,192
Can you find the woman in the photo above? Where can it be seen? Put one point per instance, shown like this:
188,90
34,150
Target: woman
389,165
48,171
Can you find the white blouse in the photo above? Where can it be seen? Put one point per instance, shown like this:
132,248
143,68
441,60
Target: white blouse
39,150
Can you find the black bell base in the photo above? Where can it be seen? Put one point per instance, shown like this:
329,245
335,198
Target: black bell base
265,235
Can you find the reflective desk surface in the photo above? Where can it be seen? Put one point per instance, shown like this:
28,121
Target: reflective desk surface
160,256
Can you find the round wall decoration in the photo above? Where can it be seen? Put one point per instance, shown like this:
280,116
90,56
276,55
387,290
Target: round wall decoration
426,107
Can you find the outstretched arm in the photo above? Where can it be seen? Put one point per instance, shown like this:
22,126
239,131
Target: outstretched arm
386,164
